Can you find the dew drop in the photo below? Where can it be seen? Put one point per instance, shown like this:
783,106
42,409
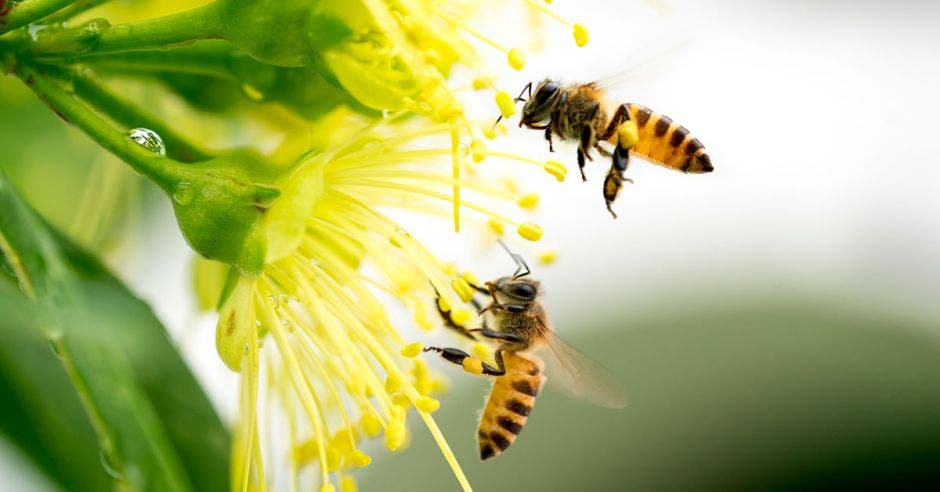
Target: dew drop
148,139
55,346
184,193
252,92
109,467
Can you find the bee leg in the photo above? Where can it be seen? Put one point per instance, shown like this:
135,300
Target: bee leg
602,151
449,323
622,114
465,360
581,164
614,180
548,136
587,141
498,335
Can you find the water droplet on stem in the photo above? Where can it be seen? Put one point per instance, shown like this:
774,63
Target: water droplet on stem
148,139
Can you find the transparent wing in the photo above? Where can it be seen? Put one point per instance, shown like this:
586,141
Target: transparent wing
641,68
576,375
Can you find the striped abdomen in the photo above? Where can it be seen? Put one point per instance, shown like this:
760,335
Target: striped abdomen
509,404
666,143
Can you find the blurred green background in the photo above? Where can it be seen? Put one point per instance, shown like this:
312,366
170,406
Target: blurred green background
789,393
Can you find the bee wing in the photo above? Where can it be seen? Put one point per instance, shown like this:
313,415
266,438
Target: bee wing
580,377
642,67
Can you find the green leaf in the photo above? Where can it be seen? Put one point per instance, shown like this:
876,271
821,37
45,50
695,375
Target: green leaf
87,362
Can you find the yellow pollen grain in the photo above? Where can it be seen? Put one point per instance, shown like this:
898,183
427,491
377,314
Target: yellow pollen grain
477,150
529,201
427,404
530,231
461,316
412,349
581,35
556,169
548,256
516,59
463,289
473,365
495,225
359,458
505,103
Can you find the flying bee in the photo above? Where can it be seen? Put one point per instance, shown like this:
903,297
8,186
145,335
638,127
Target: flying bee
520,324
579,112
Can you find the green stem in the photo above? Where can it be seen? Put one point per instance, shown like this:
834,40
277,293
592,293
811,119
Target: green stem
27,11
159,33
209,61
160,169
72,10
133,116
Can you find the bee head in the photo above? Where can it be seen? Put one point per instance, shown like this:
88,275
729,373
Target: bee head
539,107
515,290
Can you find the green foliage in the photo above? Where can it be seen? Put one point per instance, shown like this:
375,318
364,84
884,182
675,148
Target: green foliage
87,362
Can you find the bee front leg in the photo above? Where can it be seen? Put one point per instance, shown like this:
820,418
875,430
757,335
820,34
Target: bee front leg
470,363
498,335
548,136
581,164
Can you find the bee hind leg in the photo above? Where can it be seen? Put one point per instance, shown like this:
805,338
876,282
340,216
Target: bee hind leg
498,335
470,363
613,183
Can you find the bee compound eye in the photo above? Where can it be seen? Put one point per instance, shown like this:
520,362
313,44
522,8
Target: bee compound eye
522,290
545,92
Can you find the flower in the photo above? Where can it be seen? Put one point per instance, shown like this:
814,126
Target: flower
312,327
340,367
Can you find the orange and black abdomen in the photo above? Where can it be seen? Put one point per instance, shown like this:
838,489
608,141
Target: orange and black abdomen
509,404
666,143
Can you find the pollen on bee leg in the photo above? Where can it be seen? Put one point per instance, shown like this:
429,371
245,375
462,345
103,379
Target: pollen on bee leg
627,134
530,231
473,365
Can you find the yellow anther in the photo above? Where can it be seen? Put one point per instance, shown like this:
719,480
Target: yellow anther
427,404
463,289
548,256
477,150
450,111
481,351
488,131
327,487
334,459
470,278
306,451
581,36
496,226
401,400
482,82
344,439
450,269
444,303
516,58
359,459
505,103
529,201
348,484
556,169
371,425
530,231
473,365
461,316
412,349
392,384
395,435
628,134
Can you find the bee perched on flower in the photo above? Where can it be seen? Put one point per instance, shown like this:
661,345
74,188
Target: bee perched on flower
309,256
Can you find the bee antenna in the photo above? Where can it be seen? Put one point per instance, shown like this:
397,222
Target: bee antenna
522,268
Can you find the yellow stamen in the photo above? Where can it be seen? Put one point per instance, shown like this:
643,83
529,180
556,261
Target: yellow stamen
556,169
412,349
515,57
529,201
530,231
463,289
548,256
506,104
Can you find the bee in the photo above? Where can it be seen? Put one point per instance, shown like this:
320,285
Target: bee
579,112
520,325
